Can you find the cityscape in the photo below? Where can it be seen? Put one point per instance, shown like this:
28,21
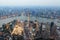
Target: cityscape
50,12
44,17
29,19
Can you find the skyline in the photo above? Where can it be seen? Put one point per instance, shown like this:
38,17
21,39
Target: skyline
30,3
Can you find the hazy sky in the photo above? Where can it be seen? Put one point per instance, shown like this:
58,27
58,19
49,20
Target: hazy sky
29,2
